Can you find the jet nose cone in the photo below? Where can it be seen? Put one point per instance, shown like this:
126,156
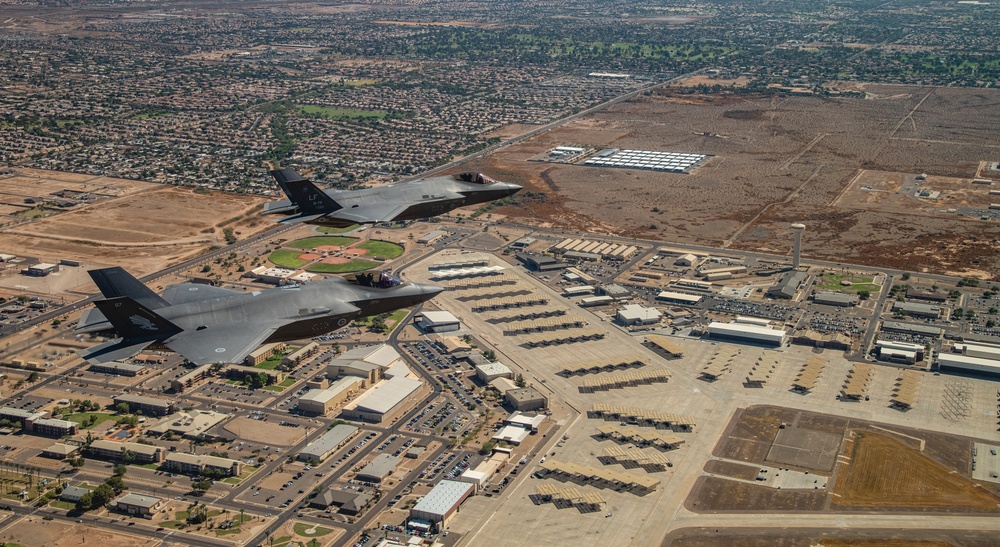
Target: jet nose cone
512,188
429,291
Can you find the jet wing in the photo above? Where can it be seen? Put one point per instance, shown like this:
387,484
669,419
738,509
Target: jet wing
221,343
370,214
113,351
186,293
92,320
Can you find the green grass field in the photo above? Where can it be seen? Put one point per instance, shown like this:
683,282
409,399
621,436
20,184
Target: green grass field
64,505
330,230
271,362
318,241
287,382
832,282
340,113
286,259
352,266
395,318
381,249
81,416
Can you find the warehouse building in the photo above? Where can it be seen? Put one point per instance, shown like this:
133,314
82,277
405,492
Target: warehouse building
830,298
437,321
192,464
116,368
331,441
431,237
679,298
747,332
434,510
913,328
378,469
487,372
964,363
321,401
381,400
148,405
369,362
634,314
917,310
526,398
899,352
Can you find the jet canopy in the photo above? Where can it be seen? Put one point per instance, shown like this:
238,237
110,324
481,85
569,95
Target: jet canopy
474,178
383,280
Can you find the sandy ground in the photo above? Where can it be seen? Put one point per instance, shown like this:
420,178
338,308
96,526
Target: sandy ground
147,227
777,161
265,432
31,532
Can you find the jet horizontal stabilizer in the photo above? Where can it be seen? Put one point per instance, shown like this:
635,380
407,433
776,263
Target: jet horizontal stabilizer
114,350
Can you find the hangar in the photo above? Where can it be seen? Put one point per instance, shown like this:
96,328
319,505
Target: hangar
442,502
747,332
382,399
437,321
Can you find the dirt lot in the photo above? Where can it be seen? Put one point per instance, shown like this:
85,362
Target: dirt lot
762,537
779,160
35,531
885,473
891,468
264,432
717,494
147,228
731,469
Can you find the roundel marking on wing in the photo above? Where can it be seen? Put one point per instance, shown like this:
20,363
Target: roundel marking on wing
192,288
220,350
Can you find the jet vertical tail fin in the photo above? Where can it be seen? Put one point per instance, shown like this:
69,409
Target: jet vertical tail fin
303,193
133,321
116,282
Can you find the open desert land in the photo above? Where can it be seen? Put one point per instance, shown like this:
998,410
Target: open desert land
777,161
147,228
32,531
933,434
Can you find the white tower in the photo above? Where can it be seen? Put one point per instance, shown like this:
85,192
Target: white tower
796,253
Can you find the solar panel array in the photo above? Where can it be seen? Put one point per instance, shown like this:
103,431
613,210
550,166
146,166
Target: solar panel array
674,162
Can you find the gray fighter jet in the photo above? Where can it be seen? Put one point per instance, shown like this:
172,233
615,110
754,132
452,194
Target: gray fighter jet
209,324
410,200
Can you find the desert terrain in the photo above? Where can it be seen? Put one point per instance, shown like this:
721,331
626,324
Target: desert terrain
780,160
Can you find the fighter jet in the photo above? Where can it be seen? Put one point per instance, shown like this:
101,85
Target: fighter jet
209,324
401,201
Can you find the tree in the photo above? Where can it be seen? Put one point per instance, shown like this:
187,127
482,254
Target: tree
120,469
32,377
77,462
519,381
864,294
490,354
101,496
122,408
487,447
115,483
202,486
